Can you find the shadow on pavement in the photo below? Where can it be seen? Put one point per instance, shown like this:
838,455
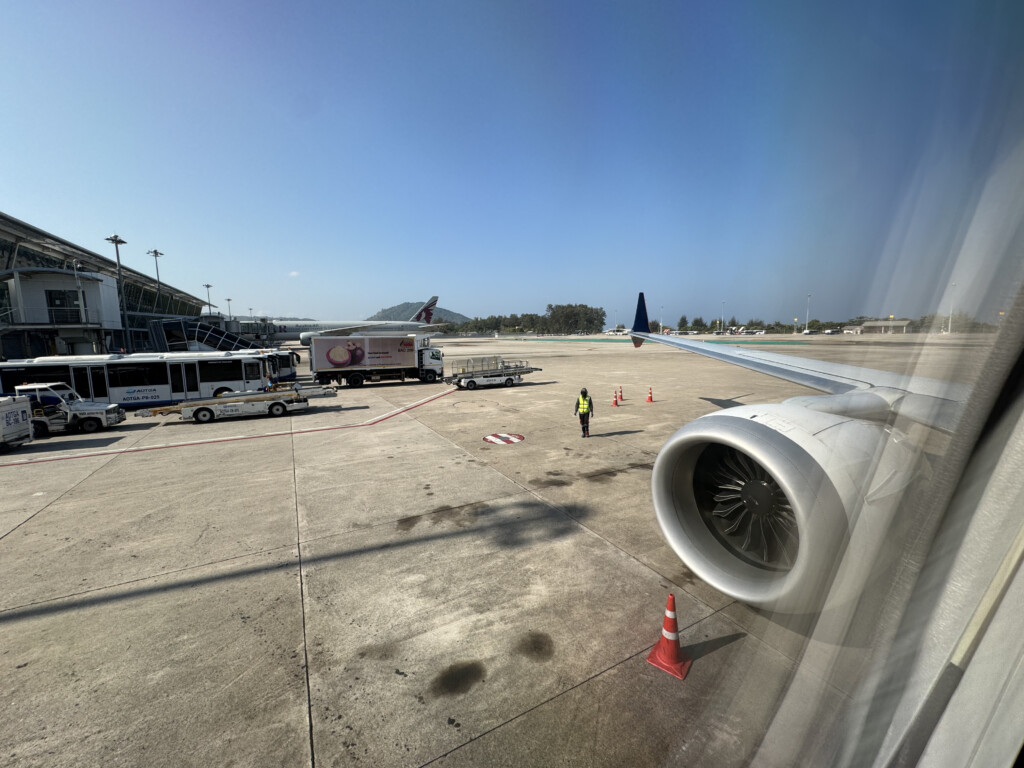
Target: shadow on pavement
521,524
725,403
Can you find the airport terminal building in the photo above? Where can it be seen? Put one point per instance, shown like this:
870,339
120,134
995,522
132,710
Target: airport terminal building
60,298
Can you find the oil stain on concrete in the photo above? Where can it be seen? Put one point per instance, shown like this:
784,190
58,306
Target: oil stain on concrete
536,646
457,679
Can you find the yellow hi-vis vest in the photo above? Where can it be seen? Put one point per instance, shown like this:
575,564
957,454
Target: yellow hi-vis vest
584,404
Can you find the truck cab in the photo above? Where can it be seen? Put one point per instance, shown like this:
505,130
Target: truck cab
56,407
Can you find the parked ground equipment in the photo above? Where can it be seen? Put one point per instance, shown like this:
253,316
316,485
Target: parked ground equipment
267,403
15,421
473,372
274,402
56,407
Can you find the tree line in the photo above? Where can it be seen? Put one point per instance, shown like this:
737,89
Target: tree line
576,318
962,323
557,319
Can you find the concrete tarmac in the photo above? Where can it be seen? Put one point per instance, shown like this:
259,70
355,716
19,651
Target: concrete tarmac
371,582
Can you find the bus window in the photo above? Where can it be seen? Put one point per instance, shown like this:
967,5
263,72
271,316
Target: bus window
213,371
137,374
35,374
80,374
99,381
177,382
252,371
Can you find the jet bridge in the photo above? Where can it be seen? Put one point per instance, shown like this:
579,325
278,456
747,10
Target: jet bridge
183,335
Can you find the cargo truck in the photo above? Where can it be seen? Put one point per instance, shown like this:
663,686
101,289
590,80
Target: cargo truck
56,407
15,421
356,359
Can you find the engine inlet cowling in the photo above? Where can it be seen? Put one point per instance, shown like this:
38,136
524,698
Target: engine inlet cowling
747,498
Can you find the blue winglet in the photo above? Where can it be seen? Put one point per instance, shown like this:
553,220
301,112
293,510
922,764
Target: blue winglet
640,322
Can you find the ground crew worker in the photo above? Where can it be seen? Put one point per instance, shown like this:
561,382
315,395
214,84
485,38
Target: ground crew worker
585,409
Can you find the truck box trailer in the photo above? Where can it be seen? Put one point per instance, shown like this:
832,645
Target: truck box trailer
357,359
15,421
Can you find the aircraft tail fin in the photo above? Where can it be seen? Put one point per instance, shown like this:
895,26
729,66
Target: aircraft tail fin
640,322
425,314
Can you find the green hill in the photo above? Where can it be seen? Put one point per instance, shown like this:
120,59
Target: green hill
406,310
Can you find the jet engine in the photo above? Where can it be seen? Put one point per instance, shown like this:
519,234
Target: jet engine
780,506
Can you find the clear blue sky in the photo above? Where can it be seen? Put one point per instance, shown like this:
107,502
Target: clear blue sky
328,159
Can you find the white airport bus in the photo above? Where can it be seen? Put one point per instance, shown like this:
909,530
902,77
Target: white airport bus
284,363
147,379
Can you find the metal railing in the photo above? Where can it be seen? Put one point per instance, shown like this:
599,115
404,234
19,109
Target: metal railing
43,315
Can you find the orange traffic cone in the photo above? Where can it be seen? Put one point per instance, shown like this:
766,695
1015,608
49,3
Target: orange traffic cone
650,395
620,393
666,654
615,401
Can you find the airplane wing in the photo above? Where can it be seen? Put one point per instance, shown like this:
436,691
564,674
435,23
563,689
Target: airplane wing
345,330
858,392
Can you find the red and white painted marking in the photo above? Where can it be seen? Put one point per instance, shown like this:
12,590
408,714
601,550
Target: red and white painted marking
500,438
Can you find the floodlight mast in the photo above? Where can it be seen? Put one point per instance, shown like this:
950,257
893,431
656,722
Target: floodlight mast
156,255
126,332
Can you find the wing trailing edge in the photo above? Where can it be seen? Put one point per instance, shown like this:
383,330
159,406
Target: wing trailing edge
934,403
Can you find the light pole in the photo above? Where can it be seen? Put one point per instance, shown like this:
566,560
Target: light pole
795,321
126,334
156,255
807,319
949,328
721,322
209,303
78,285
229,308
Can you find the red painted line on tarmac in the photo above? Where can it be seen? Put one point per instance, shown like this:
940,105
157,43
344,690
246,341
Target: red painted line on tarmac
212,441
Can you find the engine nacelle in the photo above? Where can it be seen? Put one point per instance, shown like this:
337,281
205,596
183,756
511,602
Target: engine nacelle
780,506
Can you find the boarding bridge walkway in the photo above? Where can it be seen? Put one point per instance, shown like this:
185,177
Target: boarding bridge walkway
181,335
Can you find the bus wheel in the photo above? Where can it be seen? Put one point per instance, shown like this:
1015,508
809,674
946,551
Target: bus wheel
90,425
203,415
355,380
222,391
277,409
